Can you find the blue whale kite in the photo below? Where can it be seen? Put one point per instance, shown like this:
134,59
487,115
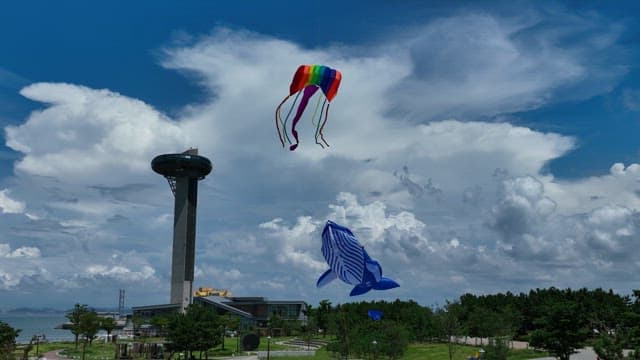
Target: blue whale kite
349,262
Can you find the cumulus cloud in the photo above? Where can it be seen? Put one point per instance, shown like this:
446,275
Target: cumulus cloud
92,135
118,273
522,207
295,242
619,187
612,230
21,252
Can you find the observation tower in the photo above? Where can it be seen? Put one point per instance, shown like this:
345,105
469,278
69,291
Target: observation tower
183,171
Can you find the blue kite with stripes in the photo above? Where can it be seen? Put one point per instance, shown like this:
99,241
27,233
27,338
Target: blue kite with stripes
349,262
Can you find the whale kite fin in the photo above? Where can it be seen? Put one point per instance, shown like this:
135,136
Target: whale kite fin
375,268
385,284
326,278
360,289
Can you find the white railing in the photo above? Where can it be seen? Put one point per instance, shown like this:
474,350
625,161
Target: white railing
282,353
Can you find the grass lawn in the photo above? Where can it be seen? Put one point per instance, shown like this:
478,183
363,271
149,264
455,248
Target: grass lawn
101,351
462,352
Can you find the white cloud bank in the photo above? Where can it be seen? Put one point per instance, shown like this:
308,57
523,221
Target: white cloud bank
446,197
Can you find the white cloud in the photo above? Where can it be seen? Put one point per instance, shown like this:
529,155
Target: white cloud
93,136
619,187
9,205
474,65
8,280
21,252
119,273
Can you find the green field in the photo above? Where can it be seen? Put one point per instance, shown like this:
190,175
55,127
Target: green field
101,351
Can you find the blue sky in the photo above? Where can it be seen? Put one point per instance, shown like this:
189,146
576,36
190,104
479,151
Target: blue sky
475,146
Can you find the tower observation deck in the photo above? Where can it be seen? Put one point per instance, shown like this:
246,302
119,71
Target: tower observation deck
183,171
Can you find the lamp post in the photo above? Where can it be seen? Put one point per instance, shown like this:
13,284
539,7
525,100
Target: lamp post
268,346
37,338
374,343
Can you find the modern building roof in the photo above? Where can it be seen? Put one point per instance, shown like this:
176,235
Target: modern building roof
219,302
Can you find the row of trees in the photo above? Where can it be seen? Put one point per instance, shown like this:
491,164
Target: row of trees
559,321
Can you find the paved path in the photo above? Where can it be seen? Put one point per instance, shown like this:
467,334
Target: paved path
53,355
582,354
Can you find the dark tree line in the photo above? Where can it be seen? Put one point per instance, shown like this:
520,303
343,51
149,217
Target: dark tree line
557,320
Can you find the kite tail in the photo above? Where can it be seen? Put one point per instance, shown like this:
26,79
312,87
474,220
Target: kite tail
279,120
308,93
326,116
320,123
286,119
315,111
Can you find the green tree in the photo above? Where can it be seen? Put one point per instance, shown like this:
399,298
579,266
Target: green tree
107,324
276,322
562,330
89,326
496,349
308,330
137,321
229,322
341,322
8,337
74,317
161,323
194,330
450,326
634,355
608,347
394,341
322,316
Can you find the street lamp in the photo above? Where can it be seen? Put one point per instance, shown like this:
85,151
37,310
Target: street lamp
374,343
37,338
268,346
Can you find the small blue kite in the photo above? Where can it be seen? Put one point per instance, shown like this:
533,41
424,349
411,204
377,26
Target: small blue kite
375,315
349,262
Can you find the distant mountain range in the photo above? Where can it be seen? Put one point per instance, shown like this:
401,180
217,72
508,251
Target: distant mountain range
51,311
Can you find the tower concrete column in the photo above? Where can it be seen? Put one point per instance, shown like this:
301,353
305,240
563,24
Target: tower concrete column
183,171
184,241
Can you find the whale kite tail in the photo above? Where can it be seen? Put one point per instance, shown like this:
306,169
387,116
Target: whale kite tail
384,284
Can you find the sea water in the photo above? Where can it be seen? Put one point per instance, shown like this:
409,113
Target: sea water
38,324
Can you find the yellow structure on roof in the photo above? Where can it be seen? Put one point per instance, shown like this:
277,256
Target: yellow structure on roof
208,291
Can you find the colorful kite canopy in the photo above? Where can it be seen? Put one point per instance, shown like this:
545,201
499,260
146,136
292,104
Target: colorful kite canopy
349,262
306,81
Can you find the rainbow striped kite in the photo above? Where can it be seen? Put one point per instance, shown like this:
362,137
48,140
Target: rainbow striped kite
306,81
